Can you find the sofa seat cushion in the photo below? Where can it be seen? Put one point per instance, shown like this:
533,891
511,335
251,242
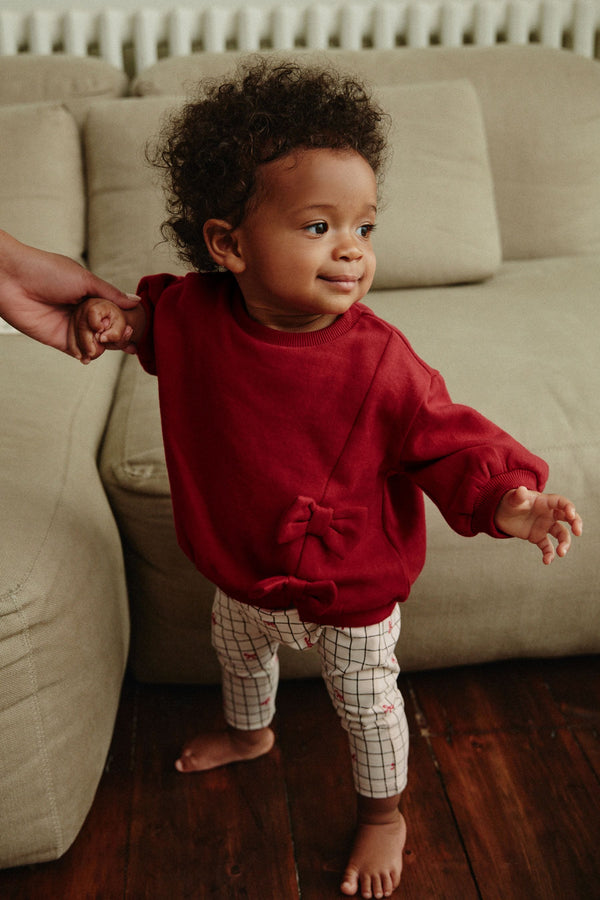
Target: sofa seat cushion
170,600
523,349
63,605
512,347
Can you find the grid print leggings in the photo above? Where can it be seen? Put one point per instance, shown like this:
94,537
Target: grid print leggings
359,668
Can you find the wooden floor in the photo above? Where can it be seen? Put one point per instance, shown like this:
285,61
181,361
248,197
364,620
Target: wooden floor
503,798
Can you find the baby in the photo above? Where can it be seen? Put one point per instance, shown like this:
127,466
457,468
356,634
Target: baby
301,430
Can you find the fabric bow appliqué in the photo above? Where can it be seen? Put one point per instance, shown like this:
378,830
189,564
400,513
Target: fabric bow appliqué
311,598
340,530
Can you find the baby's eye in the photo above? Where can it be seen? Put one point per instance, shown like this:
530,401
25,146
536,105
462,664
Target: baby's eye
318,228
365,230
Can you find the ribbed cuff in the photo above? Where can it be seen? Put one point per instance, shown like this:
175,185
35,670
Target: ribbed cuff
491,495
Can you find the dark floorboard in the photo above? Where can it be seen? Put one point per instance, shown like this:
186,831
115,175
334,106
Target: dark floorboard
503,798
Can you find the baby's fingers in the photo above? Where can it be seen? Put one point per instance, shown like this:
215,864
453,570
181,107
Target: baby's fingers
566,512
114,338
547,548
100,326
563,537
102,321
81,342
72,345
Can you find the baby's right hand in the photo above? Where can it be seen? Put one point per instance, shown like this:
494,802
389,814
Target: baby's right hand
97,325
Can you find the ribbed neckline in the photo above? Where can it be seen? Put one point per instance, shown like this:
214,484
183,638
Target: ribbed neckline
293,338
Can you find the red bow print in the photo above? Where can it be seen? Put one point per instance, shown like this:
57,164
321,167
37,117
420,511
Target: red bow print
339,529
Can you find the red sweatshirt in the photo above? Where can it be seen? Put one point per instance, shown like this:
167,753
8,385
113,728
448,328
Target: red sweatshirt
297,461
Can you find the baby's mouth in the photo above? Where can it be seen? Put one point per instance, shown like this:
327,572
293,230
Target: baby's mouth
341,280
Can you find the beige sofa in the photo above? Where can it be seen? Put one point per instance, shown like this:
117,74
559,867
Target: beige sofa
489,261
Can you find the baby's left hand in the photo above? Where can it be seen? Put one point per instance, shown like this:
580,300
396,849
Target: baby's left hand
534,517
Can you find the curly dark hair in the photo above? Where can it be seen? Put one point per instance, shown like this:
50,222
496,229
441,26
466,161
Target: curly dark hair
211,149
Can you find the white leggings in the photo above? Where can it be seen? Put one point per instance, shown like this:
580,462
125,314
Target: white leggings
359,668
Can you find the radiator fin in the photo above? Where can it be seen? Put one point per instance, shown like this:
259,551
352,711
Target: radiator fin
136,39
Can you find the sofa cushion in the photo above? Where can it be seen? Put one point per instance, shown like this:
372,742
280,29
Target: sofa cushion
438,222
41,183
542,120
63,604
41,178
523,349
74,81
126,201
170,600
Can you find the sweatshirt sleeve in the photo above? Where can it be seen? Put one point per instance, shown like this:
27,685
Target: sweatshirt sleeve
150,289
464,462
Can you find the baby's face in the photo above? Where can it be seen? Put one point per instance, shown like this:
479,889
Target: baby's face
306,239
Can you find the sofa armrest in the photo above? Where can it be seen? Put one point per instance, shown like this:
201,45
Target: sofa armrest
63,606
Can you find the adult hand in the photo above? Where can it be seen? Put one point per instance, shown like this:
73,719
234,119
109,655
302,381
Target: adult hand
38,289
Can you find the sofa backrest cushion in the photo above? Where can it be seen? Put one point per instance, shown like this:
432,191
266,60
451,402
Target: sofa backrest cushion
542,120
42,195
74,81
438,224
125,199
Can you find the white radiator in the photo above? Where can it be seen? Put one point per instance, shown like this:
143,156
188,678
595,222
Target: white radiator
135,38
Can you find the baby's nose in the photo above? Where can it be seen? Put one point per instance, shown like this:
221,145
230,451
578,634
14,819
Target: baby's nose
348,249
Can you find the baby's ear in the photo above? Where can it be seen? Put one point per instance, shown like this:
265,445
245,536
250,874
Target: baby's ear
221,241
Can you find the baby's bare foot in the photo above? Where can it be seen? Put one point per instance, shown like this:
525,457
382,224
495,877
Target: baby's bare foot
375,863
218,748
